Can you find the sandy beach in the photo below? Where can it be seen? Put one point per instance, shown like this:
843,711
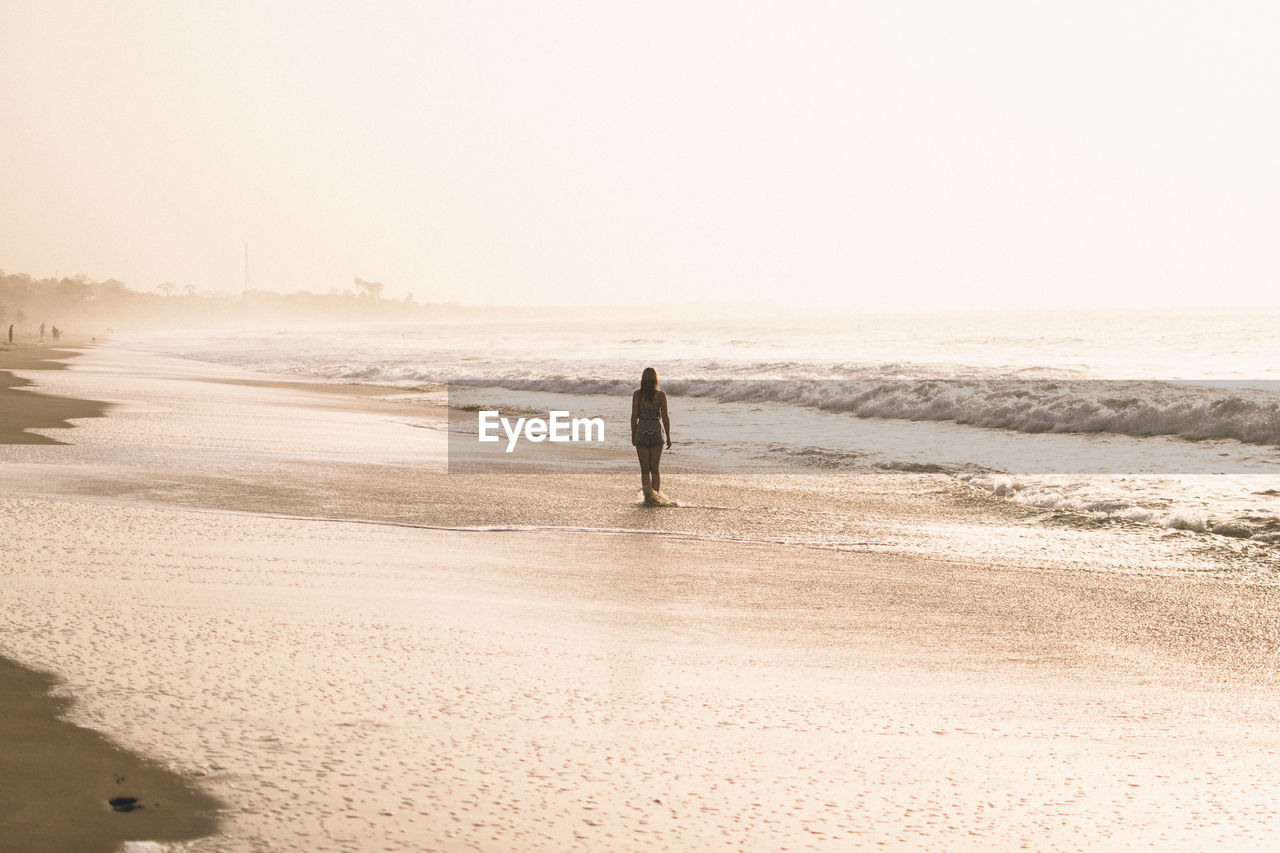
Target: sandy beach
58,780
639,427
273,590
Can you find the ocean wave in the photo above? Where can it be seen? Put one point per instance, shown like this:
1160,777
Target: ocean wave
564,374
818,457
1023,398
1254,526
916,467
1134,408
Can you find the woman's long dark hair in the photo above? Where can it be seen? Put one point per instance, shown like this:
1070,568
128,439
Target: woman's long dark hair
649,384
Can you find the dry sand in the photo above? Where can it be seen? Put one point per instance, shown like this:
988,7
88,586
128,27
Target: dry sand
960,679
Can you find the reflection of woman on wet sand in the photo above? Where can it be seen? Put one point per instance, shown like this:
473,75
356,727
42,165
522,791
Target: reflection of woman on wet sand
649,421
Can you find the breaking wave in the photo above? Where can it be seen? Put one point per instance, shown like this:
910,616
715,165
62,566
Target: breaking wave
1257,526
1133,408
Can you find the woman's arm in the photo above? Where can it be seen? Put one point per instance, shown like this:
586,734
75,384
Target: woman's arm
635,411
666,420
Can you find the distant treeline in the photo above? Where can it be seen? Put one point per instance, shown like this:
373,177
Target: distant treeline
87,307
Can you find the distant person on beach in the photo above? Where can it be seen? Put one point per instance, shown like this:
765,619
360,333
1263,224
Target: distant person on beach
649,421
42,331
57,334
10,333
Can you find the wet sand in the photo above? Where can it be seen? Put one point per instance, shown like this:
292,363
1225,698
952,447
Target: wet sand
57,780
22,409
945,673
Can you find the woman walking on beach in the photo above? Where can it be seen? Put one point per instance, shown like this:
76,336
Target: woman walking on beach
649,421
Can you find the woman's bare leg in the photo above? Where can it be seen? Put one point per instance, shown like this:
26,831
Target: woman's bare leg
643,454
655,476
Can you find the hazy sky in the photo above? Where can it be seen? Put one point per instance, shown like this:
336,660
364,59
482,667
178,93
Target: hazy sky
888,154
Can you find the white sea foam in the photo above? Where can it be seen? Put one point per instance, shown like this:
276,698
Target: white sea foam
1090,500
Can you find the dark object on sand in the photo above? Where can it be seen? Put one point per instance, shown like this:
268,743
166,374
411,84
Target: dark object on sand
124,804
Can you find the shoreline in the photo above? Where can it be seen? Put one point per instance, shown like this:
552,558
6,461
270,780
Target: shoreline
357,686
57,778
23,409
400,689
